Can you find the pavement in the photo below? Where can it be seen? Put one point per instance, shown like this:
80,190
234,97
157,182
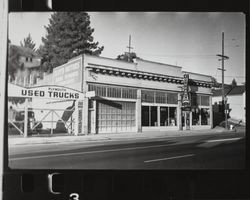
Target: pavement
49,139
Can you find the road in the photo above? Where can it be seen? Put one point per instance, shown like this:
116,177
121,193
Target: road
222,151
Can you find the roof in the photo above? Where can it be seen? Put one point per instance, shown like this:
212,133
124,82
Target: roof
24,51
229,90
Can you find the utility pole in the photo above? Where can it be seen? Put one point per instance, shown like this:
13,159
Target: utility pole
222,58
129,45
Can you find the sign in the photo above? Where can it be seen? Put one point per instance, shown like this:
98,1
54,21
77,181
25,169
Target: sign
90,94
185,99
48,92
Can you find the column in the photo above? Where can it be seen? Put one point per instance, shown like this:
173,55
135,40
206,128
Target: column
85,110
211,111
138,112
179,113
76,129
26,118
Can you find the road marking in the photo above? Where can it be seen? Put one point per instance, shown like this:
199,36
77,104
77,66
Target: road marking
87,152
223,140
169,158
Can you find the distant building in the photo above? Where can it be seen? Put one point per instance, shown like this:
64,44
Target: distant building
30,63
235,99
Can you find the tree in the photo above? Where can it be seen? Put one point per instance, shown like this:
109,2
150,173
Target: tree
68,35
27,42
234,83
128,57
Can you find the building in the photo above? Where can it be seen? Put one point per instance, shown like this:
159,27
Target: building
235,99
135,97
29,62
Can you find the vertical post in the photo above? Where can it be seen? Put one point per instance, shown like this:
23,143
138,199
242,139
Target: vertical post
211,111
52,118
179,112
76,118
138,112
223,87
26,118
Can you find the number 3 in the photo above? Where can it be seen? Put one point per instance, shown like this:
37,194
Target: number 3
74,196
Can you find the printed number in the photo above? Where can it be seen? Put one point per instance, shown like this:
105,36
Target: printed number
74,196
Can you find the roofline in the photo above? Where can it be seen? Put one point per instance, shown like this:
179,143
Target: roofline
158,63
109,59
197,74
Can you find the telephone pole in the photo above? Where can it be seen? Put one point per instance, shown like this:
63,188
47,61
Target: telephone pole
222,58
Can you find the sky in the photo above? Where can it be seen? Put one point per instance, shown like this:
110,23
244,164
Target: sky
189,40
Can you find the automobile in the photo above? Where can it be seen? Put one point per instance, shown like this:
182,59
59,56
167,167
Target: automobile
19,122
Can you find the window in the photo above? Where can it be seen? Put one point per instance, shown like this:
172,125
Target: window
30,59
153,117
205,100
114,92
205,116
128,93
164,116
172,98
26,59
160,97
145,116
172,116
100,90
196,116
147,96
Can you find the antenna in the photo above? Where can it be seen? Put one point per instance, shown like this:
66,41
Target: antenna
129,45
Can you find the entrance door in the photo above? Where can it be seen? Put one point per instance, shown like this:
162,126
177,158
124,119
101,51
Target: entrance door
186,120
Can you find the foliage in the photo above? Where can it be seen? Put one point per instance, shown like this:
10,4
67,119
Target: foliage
68,35
234,83
13,61
27,42
128,57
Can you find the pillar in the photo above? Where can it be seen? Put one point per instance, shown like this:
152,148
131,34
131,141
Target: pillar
26,118
76,125
211,111
179,112
138,112
85,110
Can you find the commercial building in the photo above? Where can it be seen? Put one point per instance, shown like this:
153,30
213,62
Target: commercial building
135,97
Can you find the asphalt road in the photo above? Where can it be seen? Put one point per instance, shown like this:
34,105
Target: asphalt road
222,151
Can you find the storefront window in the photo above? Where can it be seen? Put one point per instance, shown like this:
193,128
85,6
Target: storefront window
195,116
160,97
153,115
172,116
164,116
205,116
147,96
172,98
145,116
114,92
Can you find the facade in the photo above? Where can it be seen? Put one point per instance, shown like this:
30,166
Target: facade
136,97
235,99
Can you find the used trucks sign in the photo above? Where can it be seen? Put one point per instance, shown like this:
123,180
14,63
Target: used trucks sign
49,92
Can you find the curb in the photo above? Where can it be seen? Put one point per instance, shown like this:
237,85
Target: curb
106,137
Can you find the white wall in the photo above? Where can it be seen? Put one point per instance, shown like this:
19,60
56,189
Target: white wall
236,103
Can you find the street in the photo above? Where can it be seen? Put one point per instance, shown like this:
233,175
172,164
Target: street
222,151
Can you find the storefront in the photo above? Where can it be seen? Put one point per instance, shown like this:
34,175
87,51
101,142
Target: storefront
137,97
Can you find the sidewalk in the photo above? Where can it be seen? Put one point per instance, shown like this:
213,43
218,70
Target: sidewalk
107,137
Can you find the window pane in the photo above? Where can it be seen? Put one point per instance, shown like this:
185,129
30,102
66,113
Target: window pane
153,115
128,93
172,98
195,116
205,100
164,116
173,116
145,115
205,116
160,97
147,96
